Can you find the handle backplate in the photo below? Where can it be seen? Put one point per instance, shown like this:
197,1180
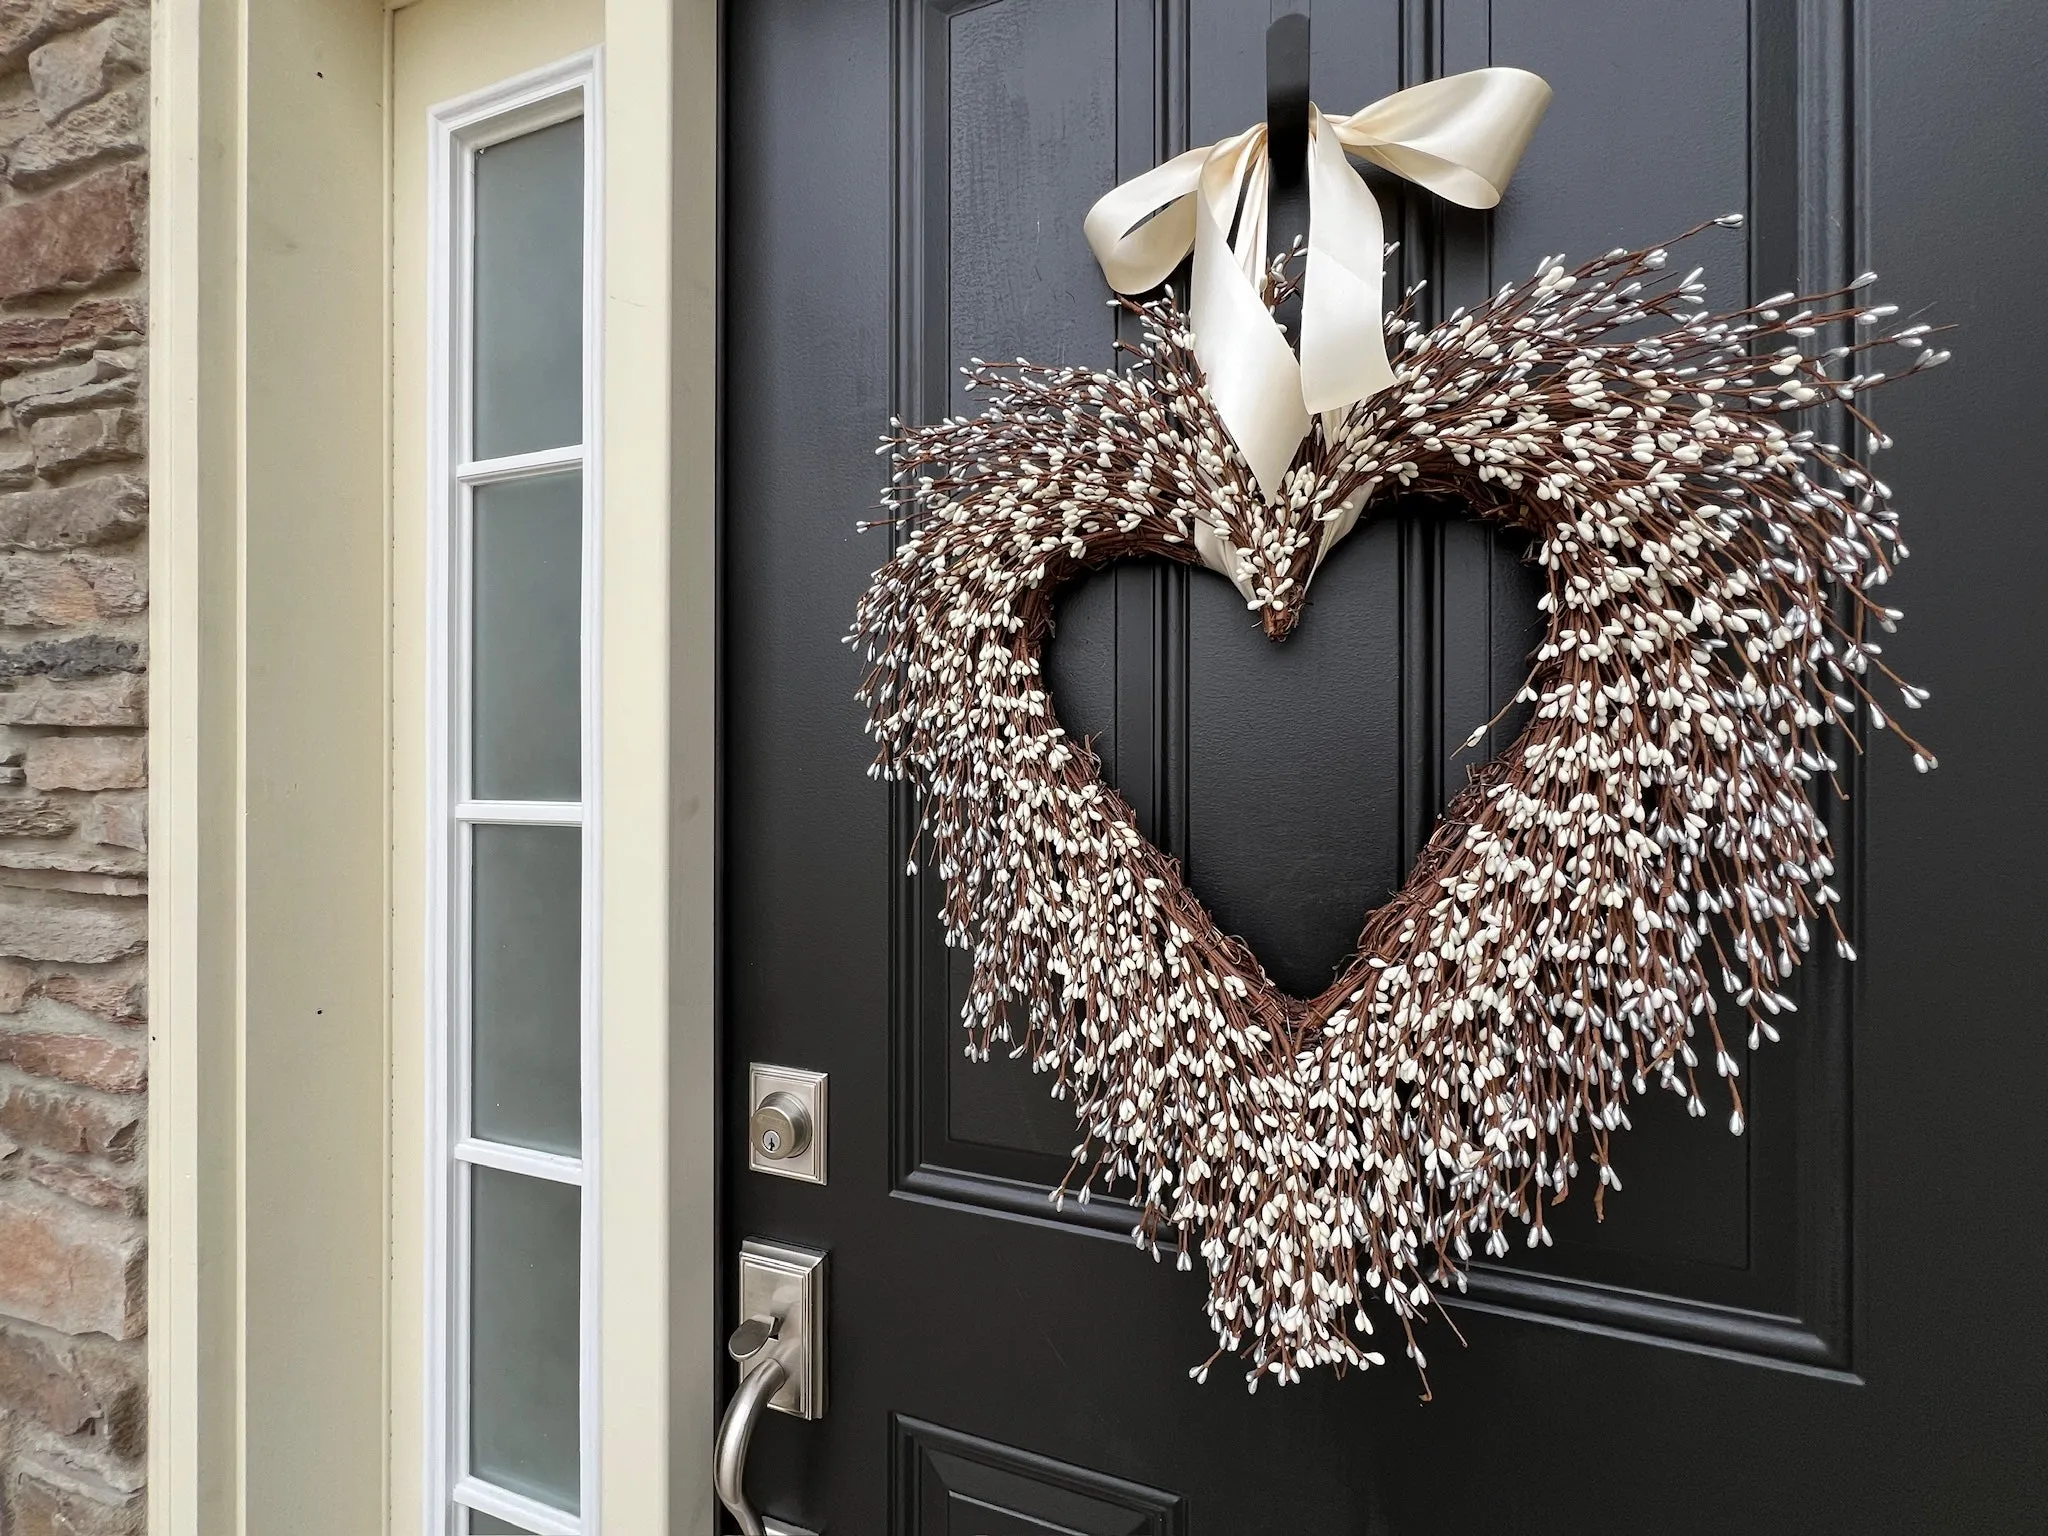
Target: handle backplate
788,1283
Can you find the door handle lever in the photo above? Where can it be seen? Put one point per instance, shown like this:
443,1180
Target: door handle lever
736,1428
780,1348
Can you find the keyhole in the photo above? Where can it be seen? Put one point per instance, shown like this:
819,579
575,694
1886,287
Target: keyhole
771,1142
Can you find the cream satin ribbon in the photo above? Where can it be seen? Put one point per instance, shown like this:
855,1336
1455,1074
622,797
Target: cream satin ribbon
1460,137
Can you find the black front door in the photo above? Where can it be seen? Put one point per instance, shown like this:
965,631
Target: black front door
1829,1323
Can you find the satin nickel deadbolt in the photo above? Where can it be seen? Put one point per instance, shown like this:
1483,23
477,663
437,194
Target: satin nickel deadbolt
780,1347
781,1126
786,1122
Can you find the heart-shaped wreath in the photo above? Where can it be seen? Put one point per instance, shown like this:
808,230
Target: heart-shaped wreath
1556,949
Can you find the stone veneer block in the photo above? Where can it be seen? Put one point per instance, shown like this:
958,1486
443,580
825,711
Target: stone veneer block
93,437
85,1061
122,701
117,124
76,1124
71,70
69,1268
79,931
92,324
97,511
80,234
43,1507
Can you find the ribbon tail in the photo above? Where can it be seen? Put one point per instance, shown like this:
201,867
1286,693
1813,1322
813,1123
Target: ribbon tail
1218,553
1344,519
1343,324
1252,376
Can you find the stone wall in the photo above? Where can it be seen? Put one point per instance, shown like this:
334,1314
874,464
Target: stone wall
74,112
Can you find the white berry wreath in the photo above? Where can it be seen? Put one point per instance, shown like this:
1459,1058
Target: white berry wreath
1650,836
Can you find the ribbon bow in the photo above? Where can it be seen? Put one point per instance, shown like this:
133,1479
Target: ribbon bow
1460,136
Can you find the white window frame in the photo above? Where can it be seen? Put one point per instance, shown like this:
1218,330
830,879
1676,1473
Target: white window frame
456,129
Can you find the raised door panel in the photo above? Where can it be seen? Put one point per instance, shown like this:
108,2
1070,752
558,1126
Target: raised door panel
953,1484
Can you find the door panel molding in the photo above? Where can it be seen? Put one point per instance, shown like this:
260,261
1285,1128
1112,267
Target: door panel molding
1805,157
1146,120
942,1474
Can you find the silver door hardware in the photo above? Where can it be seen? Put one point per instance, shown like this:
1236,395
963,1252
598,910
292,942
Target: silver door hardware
780,1347
781,1126
786,1122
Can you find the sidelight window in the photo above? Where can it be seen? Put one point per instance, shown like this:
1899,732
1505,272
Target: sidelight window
513,941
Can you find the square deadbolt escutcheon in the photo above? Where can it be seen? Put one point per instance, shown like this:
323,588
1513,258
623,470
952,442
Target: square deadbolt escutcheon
786,1122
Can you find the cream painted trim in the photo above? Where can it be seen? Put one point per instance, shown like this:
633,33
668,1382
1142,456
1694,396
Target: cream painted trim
268,1044
659,1082
194,1366
269,1052
270,741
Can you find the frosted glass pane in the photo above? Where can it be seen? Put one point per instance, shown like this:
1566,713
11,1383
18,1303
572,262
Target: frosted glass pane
529,292
481,1524
524,1335
526,986
526,652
